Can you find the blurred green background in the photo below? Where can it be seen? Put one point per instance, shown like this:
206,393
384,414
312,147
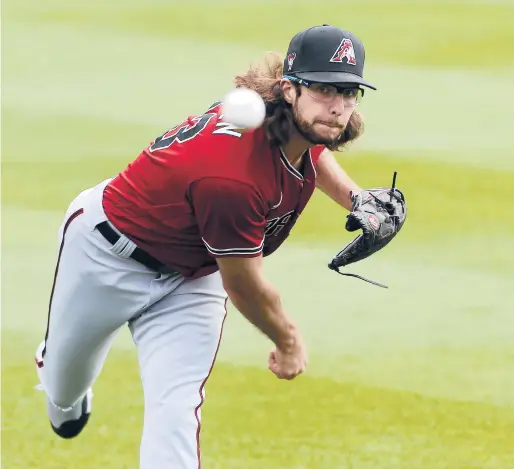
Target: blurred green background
416,376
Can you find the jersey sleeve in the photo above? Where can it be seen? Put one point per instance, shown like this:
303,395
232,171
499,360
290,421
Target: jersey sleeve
230,215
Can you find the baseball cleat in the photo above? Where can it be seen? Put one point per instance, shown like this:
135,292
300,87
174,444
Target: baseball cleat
71,428
65,428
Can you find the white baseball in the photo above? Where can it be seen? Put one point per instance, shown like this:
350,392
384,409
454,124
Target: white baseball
244,108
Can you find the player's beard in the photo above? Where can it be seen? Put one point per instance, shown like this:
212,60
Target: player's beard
305,129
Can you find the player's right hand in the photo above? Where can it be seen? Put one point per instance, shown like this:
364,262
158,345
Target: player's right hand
288,364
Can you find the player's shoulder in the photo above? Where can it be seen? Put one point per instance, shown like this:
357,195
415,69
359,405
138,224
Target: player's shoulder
206,145
247,157
221,136
237,144
204,136
239,160
316,152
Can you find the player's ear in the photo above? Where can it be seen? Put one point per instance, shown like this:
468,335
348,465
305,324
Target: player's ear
288,90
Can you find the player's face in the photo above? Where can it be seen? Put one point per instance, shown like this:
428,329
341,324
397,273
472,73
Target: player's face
321,114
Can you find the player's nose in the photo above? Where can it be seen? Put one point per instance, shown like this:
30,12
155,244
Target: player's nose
337,105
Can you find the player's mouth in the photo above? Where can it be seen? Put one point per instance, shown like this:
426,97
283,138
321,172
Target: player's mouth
332,125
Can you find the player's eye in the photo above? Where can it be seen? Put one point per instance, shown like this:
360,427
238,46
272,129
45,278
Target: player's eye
350,92
352,96
322,89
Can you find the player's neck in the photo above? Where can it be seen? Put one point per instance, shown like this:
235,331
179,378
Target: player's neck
295,149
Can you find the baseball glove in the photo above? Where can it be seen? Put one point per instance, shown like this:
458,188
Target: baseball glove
380,213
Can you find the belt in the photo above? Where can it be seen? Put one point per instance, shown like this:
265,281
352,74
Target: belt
138,254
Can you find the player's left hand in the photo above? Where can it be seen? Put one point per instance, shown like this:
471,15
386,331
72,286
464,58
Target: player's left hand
380,213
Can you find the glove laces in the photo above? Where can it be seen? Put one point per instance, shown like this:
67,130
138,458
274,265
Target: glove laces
336,269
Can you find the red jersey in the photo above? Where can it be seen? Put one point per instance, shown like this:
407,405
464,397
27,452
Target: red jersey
204,190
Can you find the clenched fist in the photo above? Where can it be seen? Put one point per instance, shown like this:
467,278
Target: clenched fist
288,363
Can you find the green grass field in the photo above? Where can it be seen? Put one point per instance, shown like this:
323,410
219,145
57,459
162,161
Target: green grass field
419,376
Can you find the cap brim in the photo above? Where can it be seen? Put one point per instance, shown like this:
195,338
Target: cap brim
335,78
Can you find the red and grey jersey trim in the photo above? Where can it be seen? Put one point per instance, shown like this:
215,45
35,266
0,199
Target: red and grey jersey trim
292,169
232,251
312,164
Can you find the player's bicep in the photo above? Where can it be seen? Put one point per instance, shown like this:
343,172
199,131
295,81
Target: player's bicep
240,275
230,217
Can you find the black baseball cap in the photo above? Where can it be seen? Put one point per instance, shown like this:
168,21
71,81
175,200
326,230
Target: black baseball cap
326,54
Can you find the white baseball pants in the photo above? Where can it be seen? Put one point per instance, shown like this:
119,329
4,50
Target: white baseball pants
175,323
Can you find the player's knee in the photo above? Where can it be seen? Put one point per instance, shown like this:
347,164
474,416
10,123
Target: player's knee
177,413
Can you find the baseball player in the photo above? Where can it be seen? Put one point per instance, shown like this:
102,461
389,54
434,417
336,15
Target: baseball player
185,227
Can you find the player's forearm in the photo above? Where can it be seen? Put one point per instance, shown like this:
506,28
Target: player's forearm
260,303
334,181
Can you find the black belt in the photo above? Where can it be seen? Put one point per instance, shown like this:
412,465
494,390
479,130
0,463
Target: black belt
138,254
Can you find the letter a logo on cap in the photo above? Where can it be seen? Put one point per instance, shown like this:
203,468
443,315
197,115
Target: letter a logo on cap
345,50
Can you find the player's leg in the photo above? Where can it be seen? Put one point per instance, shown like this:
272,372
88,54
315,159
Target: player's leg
177,340
95,292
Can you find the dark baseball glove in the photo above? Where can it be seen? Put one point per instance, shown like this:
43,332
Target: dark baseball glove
380,213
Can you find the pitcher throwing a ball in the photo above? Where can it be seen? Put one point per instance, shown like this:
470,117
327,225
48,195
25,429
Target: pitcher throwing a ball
185,227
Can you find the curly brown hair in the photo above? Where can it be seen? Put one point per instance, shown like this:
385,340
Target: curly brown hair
264,78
